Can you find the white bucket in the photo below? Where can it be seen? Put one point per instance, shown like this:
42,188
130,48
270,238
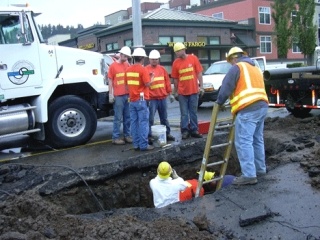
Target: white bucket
158,132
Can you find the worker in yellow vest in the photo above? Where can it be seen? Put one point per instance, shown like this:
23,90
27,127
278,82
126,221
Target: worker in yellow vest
244,85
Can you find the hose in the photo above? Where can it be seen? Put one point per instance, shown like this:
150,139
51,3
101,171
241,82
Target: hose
62,166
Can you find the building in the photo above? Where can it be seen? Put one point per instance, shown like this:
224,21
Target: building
260,11
207,37
56,39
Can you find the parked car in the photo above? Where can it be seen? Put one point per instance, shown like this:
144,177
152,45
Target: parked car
214,75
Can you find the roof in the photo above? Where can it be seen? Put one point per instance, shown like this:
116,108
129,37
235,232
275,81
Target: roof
169,15
247,40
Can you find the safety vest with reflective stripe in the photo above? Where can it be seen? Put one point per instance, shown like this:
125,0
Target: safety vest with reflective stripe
250,88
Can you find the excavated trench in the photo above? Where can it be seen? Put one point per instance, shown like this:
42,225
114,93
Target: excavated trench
128,188
131,188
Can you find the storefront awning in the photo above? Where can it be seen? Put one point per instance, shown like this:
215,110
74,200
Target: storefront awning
247,40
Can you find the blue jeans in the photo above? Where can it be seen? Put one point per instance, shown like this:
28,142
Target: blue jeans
188,110
161,106
249,141
139,116
121,112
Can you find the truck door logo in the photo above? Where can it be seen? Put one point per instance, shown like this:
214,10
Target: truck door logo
20,72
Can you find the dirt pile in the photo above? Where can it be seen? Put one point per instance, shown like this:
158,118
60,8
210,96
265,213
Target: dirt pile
30,216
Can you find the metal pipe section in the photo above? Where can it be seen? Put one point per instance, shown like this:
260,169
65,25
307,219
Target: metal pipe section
136,23
284,73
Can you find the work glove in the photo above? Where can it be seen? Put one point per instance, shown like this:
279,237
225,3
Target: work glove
174,174
222,107
201,92
111,98
171,97
176,97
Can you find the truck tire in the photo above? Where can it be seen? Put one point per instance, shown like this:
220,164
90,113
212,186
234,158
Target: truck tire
72,121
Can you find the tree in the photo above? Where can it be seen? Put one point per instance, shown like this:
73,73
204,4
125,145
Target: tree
281,15
304,30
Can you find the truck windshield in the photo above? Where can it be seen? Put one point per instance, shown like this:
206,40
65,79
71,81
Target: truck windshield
34,15
10,30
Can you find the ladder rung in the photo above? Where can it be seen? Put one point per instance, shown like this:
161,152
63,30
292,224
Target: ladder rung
224,126
213,180
216,163
220,145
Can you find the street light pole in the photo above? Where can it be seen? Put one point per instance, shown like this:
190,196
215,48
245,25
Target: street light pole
136,23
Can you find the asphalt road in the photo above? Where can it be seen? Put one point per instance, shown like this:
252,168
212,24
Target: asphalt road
19,147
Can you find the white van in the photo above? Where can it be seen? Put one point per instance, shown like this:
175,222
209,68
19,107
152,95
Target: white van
213,76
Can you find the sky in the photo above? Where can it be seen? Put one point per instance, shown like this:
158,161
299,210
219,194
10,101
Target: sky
74,12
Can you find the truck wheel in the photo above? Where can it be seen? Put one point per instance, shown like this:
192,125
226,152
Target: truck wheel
299,112
72,121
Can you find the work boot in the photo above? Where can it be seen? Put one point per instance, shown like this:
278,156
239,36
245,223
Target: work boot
261,174
150,140
118,142
242,180
149,147
196,134
128,139
170,137
185,135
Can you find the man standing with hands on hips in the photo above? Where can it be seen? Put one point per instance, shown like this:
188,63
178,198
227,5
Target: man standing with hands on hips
188,85
159,90
244,85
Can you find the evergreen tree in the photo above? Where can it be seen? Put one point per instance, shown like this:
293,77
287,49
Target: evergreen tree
304,29
281,15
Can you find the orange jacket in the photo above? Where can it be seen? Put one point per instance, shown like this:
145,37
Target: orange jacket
136,78
161,85
116,74
186,72
190,191
249,89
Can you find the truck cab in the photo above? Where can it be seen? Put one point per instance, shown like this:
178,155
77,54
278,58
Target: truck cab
53,93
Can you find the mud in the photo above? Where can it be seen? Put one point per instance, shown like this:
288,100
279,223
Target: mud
121,206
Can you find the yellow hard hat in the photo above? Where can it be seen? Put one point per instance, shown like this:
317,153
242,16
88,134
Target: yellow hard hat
178,46
208,175
233,51
164,170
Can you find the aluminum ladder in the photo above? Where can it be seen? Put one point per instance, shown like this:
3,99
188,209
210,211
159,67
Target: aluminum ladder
227,151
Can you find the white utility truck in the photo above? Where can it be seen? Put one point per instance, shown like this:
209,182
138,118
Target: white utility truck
53,93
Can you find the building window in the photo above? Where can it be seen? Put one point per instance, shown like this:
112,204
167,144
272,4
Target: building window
265,44
179,8
264,15
178,39
164,40
294,16
120,19
218,15
128,42
112,46
295,47
209,40
214,40
215,55
202,39
318,20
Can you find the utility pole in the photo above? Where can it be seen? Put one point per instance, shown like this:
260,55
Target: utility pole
136,23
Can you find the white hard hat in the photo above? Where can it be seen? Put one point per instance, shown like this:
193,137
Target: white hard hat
126,51
139,52
154,54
